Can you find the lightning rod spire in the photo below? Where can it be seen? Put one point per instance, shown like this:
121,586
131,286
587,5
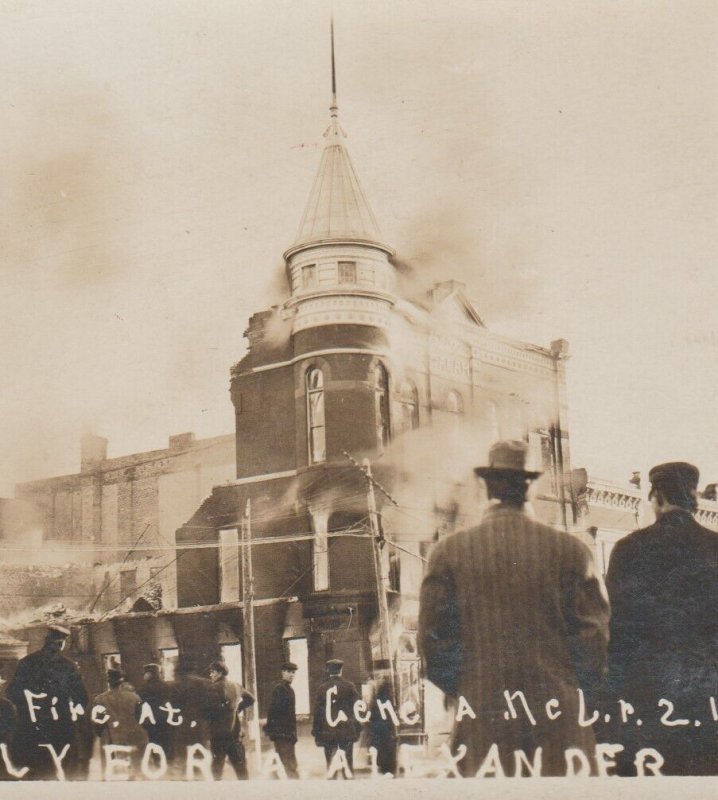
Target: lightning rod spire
333,108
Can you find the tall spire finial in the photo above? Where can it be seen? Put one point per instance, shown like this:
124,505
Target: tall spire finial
333,108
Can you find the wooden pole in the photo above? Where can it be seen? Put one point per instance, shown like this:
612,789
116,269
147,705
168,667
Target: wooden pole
250,660
383,603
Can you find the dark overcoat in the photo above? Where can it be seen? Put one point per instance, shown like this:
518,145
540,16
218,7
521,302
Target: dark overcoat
157,693
663,586
46,671
190,694
514,605
281,717
346,731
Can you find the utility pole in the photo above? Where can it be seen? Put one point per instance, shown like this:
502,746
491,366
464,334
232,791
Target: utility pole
559,353
250,661
376,536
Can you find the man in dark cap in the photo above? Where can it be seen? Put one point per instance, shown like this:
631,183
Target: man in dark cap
334,703
225,700
156,692
513,605
281,725
663,586
47,674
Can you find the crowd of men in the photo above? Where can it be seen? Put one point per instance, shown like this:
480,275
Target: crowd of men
49,720
512,614
49,724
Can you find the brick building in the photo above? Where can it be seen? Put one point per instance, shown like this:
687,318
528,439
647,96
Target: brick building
349,364
107,531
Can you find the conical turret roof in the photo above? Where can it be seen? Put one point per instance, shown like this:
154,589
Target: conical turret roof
337,207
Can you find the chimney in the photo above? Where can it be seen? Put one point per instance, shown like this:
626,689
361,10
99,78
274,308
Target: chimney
93,451
181,441
560,348
444,289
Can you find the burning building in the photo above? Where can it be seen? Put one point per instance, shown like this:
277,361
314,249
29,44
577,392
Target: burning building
360,409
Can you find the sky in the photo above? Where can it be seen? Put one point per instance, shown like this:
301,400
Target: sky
559,157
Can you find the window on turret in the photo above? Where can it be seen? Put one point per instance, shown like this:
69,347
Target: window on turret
309,276
381,399
315,416
347,272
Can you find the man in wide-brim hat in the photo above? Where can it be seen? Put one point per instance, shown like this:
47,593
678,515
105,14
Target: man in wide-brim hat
515,605
663,586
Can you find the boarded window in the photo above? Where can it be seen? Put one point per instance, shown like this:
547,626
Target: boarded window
309,276
347,272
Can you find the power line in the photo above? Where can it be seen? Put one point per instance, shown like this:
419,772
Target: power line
106,585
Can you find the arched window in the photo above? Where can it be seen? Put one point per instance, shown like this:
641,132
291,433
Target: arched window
315,416
409,400
381,399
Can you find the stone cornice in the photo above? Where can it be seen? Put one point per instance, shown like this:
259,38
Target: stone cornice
606,495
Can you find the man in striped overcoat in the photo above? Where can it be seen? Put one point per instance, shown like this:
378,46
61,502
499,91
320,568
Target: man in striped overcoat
510,606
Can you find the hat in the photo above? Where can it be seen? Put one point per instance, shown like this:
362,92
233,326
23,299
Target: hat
508,458
675,476
115,676
219,666
57,632
155,669
289,666
334,666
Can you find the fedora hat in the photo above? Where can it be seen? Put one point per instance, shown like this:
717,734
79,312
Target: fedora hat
508,458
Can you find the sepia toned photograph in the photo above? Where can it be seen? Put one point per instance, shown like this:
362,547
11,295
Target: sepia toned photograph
360,379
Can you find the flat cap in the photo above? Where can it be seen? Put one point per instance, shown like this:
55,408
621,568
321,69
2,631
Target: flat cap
289,666
334,665
155,668
676,475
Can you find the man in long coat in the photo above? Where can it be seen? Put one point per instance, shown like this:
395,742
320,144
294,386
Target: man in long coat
513,605
156,693
47,672
281,725
121,704
190,694
663,586
335,698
